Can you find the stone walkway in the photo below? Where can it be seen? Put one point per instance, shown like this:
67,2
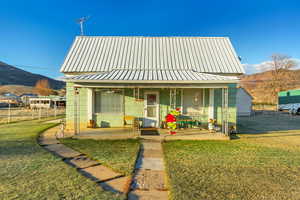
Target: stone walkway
105,177
149,182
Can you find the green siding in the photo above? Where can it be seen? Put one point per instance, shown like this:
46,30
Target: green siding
69,105
290,96
232,90
289,93
135,108
105,120
164,101
81,108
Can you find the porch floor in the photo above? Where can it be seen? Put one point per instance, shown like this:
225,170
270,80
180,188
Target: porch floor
128,133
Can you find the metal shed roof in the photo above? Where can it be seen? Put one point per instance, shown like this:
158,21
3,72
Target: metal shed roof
102,54
126,75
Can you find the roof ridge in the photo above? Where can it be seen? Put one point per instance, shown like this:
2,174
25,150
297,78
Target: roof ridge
164,69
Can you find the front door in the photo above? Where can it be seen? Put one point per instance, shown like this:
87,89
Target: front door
151,109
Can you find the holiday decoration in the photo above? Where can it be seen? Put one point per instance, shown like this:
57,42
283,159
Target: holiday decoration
211,125
171,120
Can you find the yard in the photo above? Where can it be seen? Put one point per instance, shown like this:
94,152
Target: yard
262,164
30,172
119,155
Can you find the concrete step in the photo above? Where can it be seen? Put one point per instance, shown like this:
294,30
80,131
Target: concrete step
149,180
117,185
82,162
151,146
62,151
99,173
150,164
148,195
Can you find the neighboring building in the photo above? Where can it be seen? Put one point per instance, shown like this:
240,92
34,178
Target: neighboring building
25,98
110,78
10,98
289,99
47,102
243,102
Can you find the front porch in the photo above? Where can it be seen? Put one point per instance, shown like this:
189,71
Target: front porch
112,110
129,133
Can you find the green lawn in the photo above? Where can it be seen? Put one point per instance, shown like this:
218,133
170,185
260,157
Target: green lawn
237,169
30,172
119,155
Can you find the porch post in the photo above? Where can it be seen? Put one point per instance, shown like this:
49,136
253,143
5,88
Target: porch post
225,111
173,98
90,103
76,111
211,110
181,100
226,107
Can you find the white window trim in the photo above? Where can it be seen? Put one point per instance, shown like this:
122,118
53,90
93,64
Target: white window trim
201,107
103,113
157,106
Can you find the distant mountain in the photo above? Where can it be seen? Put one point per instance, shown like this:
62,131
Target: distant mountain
17,89
256,85
10,75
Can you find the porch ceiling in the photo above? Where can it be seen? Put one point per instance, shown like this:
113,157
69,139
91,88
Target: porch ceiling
150,85
152,76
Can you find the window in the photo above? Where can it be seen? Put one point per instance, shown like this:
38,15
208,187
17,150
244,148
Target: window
109,101
192,101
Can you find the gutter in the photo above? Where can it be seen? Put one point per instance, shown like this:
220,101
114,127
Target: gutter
149,82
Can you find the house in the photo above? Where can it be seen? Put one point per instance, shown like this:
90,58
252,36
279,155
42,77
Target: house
243,102
111,78
10,99
25,98
46,102
289,99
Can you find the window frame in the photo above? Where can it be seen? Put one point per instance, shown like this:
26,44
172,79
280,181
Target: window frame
201,106
104,90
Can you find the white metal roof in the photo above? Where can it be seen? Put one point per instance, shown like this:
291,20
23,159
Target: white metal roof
102,54
126,75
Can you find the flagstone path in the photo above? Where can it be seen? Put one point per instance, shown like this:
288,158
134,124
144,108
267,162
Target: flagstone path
149,182
104,176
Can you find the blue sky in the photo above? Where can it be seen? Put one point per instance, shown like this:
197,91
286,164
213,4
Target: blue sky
36,35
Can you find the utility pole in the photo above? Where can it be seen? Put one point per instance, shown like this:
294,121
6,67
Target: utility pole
80,21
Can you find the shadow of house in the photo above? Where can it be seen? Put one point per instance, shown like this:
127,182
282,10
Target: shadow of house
275,122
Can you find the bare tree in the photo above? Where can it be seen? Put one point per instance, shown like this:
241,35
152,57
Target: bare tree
281,75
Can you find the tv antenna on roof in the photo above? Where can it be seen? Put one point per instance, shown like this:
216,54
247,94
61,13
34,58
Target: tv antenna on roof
80,21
